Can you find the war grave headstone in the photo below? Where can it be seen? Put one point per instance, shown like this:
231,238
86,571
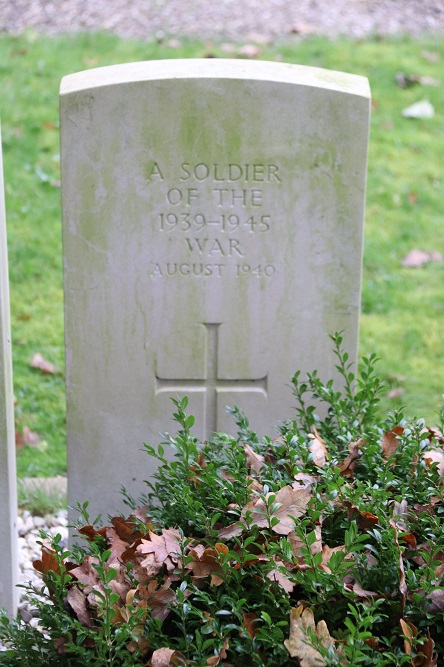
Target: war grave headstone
8,485
213,218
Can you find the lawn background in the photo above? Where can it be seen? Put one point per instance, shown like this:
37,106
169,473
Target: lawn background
402,308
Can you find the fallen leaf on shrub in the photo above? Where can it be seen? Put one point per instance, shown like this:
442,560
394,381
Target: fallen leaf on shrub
45,366
362,593
205,563
158,599
61,644
327,553
318,449
249,623
28,437
162,550
402,582
363,519
297,544
348,465
48,561
292,503
222,654
436,600
167,657
409,631
279,578
435,456
423,654
77,601
390,441
254,461
304,480
435,434
299,645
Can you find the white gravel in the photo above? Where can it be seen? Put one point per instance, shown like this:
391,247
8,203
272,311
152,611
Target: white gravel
253,20
29,549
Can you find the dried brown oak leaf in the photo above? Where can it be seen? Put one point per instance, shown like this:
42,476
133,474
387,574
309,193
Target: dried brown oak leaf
402,582
435,456
302,625
77,601
254,461
158,599
297,544
289,502
167,657
364,519
214,660
390,441
348,465
436,601
319,450
205,562
48,561
162,550
28,437
280,578
423,655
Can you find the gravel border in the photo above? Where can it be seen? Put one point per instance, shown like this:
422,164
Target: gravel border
253,20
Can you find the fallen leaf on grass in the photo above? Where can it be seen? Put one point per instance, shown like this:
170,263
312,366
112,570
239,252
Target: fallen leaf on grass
250,51
422,109
28,437
302,626
43,365
395,393
431,56
417,258
408,80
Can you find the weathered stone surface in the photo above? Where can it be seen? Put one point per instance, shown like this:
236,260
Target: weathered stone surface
212,214
8,487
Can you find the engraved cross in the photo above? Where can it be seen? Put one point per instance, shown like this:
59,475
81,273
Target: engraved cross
211,384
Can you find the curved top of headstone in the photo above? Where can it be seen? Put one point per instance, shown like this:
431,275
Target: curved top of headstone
223,68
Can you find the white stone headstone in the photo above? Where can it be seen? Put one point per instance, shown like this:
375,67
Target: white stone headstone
8,484
213,218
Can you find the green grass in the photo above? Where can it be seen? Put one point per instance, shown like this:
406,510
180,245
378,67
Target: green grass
402,309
